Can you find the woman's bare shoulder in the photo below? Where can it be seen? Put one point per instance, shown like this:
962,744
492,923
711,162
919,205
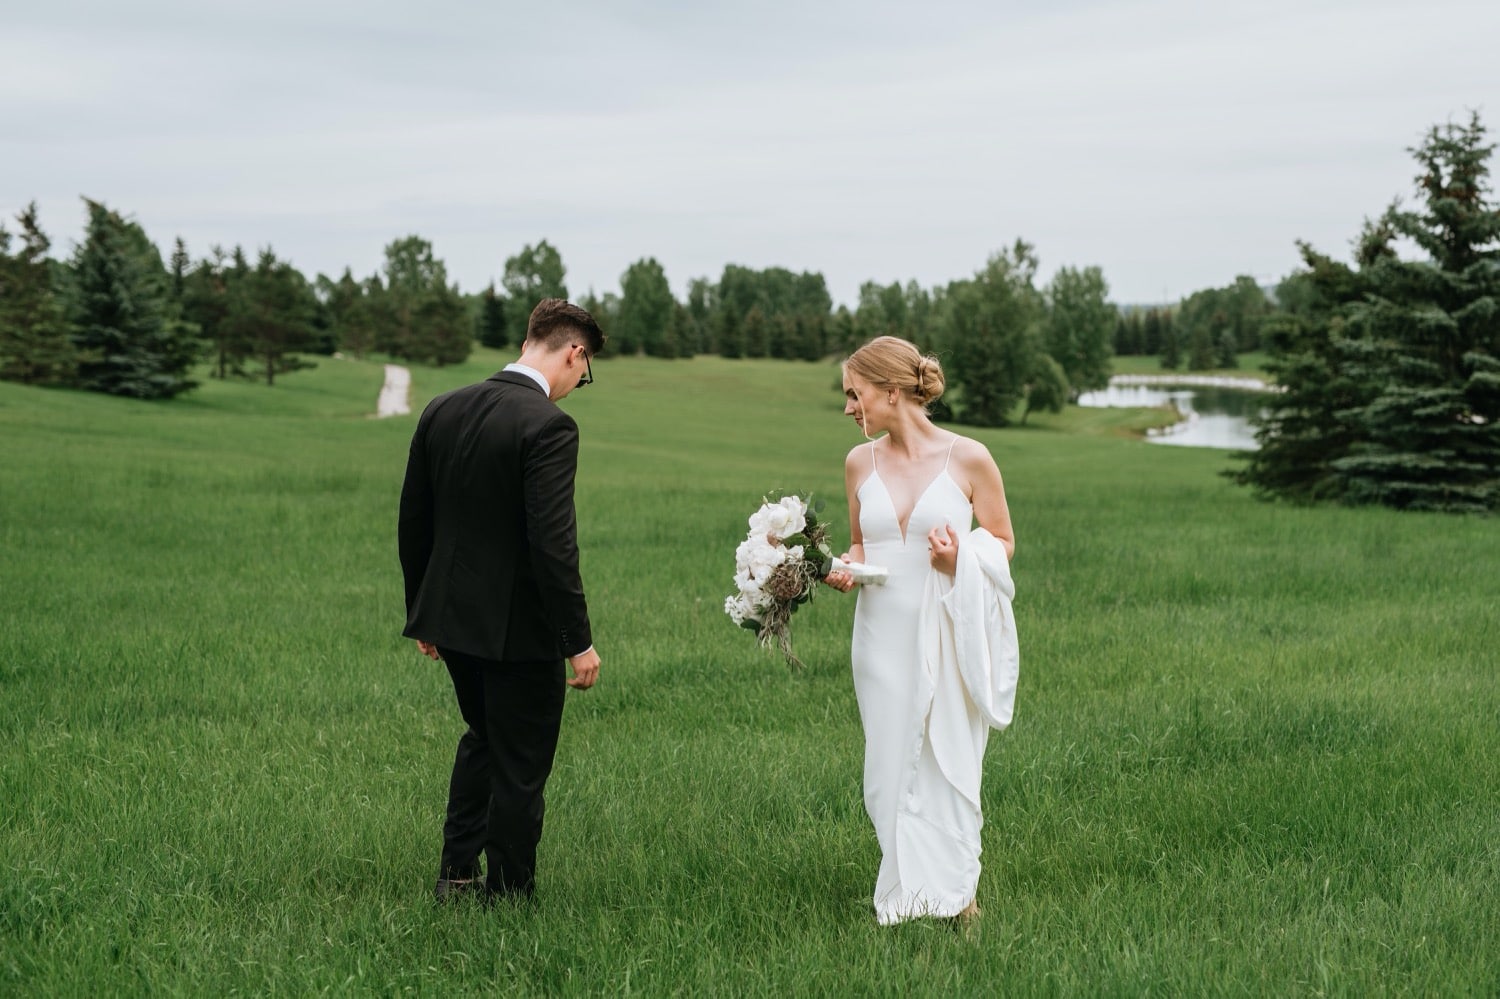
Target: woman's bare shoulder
967,449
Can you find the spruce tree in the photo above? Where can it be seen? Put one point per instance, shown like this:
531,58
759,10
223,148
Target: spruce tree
1170,342
272,317
492,326
129,341
34,344
1392,373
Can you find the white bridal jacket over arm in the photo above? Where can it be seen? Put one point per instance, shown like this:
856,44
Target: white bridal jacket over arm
970,664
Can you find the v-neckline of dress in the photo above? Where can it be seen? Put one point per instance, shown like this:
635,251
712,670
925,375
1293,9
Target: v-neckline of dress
891,500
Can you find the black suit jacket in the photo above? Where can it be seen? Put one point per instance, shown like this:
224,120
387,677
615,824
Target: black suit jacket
488,534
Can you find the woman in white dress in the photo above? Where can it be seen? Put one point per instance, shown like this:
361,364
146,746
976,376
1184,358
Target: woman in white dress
913,494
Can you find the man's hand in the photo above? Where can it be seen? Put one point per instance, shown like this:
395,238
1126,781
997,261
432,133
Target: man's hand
585,670
428,649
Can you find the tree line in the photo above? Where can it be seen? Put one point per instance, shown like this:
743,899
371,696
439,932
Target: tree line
1206,330
1389,366
115,317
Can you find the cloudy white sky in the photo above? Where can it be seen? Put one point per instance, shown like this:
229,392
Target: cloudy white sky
1174,143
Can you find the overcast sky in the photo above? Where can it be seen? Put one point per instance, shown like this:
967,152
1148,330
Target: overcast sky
1173,143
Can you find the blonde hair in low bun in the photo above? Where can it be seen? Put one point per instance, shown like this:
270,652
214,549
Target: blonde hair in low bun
892,362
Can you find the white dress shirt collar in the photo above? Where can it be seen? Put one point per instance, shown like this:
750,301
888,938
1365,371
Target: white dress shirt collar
533,374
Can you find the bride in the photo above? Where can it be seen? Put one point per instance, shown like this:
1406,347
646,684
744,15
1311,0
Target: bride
934,650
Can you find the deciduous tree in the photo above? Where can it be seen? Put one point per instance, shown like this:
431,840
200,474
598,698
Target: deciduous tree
1079,324
537,272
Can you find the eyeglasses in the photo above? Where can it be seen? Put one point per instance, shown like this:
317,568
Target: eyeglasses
588,378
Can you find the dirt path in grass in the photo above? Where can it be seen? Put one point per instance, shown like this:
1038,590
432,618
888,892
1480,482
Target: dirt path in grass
395,394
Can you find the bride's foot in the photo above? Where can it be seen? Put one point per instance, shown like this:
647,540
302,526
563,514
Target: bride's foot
967,921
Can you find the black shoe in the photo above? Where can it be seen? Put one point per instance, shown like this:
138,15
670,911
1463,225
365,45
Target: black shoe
452,889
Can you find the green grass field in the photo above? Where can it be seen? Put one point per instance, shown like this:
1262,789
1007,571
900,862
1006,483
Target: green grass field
1256,748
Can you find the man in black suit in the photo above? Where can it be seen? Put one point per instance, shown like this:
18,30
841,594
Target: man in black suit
489,549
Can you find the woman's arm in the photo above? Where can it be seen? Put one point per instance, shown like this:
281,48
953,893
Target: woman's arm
856,553
988,495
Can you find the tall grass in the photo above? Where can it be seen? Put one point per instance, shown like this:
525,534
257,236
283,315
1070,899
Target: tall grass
1255,748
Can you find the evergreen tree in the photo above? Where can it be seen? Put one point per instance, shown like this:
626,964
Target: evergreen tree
379,311
756,333
1226,350
677,335
842,334
700,306
349,321
492,319
781,336
206,304
273,316
1123,339
1170,343
1393,379
1150,343
179,272
731,334
811,332
442,330
1200,347
35,347
129,343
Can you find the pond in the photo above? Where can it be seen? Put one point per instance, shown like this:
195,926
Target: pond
1216,412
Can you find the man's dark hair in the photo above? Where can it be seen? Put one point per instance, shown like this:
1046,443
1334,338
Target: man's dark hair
556,322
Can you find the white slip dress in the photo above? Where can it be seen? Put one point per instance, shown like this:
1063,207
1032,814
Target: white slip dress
928,831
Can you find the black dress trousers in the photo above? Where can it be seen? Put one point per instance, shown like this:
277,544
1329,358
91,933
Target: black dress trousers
514,712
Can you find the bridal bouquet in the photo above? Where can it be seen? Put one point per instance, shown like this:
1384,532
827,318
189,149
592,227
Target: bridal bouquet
776,569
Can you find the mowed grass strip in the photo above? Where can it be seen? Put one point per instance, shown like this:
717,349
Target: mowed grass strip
1255,749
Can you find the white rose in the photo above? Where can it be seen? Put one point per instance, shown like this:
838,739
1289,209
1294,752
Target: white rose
795,513
760,520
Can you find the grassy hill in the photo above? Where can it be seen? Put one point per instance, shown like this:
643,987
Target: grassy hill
1255,746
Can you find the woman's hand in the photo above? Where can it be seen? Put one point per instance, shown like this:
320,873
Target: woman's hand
942,542
839,579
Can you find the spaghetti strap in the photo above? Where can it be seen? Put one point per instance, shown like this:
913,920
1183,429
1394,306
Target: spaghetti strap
950,452
872,459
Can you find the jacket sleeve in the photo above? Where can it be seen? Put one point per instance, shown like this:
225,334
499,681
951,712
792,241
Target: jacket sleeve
552,531
414,530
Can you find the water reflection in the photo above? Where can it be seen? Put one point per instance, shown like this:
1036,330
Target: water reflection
1212,415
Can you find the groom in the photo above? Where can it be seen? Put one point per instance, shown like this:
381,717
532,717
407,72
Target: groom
489,550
